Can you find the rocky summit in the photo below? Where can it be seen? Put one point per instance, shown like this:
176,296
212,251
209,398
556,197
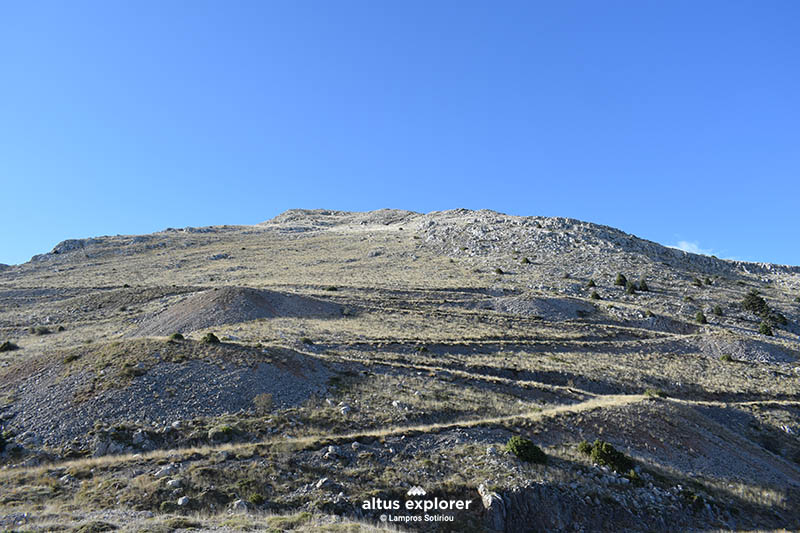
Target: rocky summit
339,371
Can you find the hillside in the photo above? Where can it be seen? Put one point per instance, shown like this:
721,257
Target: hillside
279,375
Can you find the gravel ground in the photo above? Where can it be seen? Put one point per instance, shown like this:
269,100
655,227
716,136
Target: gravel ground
46,404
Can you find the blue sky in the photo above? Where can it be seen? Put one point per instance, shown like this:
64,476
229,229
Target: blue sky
676,121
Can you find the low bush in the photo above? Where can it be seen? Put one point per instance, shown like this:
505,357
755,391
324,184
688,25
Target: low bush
591,284
176,337
8,346
717,310
604,454
700,318
256,499
525,261
621,280
643,285
525,450
765,329
209,338
222,433
585,447
630,288
726,358
595,296
40,330
498,270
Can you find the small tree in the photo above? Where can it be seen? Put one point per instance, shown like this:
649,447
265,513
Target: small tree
718,310
621,280
643,285
591,284
700,318
595,296
765,329
630,288
754,303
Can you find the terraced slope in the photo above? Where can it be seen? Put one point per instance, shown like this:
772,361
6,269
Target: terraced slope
361,354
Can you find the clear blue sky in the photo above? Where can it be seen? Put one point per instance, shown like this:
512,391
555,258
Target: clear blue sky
673,120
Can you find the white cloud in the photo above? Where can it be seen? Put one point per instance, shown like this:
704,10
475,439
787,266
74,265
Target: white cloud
692,247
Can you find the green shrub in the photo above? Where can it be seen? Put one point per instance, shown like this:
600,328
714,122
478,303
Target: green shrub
754,303
621,280
726,358
176,337
221,433
525,450
604,454
634,477
595,296
765,329
717,310
700,318
306,340
40,330
584,447
591,284
256,499
655,393
525,261
331,288
498,270
643,285
8,346
209,338
697,283
630,288
688,299
707,280
71,357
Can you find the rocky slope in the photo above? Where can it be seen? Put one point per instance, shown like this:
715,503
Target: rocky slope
361,354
